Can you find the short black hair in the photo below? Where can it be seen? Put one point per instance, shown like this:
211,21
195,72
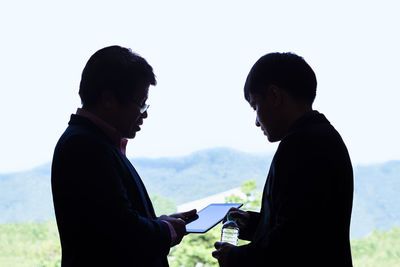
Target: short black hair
285,70
116,69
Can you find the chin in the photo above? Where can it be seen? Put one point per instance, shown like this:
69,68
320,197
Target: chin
273,139
132,132
131,135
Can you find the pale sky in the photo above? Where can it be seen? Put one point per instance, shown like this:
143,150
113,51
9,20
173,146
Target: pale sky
201,52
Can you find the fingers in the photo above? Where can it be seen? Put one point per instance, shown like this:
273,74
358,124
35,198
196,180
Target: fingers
233,209
239,214
190,212
177,223
184,215
230,212
235,214
187,215
176,215
215,254
242,217
179,226
218,245
221,252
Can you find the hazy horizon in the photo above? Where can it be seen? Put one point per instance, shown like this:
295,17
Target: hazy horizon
267,154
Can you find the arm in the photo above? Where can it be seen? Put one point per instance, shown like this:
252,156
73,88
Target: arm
299,193
92,201
247,222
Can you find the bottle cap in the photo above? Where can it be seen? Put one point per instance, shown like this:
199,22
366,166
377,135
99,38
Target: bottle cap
230,218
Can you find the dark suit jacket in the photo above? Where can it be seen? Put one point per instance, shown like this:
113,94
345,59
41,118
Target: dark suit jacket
307,202
103,212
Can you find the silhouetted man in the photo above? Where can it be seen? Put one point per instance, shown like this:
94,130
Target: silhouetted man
104,214
307,199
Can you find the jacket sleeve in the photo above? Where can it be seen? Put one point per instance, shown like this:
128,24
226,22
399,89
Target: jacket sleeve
299,191
91,200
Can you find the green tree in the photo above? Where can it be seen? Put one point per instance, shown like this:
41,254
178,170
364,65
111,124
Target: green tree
37,244
252,197
196,249
29,244
162,205
377,249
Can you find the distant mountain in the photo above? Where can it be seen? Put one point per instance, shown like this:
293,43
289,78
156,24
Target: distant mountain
202,173
26,196
376,202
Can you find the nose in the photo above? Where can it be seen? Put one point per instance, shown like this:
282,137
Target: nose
257,122
144,115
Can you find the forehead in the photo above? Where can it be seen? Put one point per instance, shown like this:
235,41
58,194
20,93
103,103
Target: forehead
253,98
141,92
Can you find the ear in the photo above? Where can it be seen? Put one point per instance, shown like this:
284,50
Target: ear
108,100
276,96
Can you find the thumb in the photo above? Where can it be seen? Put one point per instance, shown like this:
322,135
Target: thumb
218,245
190,212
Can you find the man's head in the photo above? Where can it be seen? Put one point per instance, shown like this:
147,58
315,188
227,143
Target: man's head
114,86
280,87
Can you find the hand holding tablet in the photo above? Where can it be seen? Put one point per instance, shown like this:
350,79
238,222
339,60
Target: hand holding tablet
208,217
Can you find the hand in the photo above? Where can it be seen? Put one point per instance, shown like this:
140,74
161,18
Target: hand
221,254
179,227
242,217
184,215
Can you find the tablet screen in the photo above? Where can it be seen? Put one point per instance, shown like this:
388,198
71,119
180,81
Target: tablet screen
210,216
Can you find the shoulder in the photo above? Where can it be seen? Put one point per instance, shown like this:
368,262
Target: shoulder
316,133
312,151
82,136
81,146
316,142
83,154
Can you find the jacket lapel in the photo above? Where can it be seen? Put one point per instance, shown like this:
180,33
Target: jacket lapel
139,184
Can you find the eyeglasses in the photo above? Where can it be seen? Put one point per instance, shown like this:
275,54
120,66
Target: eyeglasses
143,107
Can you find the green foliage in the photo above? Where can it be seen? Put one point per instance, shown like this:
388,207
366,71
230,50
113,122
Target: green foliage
378,249
252,197
162,205
37,244
29,244
196,249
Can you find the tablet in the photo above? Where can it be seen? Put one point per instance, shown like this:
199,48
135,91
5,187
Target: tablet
209,217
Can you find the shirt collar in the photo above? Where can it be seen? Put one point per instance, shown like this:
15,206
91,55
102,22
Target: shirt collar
108,129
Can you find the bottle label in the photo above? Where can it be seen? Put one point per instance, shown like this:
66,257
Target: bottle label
230,235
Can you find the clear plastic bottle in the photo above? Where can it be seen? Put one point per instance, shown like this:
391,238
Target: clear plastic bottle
230,231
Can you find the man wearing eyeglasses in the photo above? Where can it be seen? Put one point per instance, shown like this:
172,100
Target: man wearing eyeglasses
104,214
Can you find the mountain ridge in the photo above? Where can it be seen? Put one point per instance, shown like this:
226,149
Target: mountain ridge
26,195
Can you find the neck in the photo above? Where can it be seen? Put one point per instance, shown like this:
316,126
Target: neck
101,114
108,129
299,111
295,113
